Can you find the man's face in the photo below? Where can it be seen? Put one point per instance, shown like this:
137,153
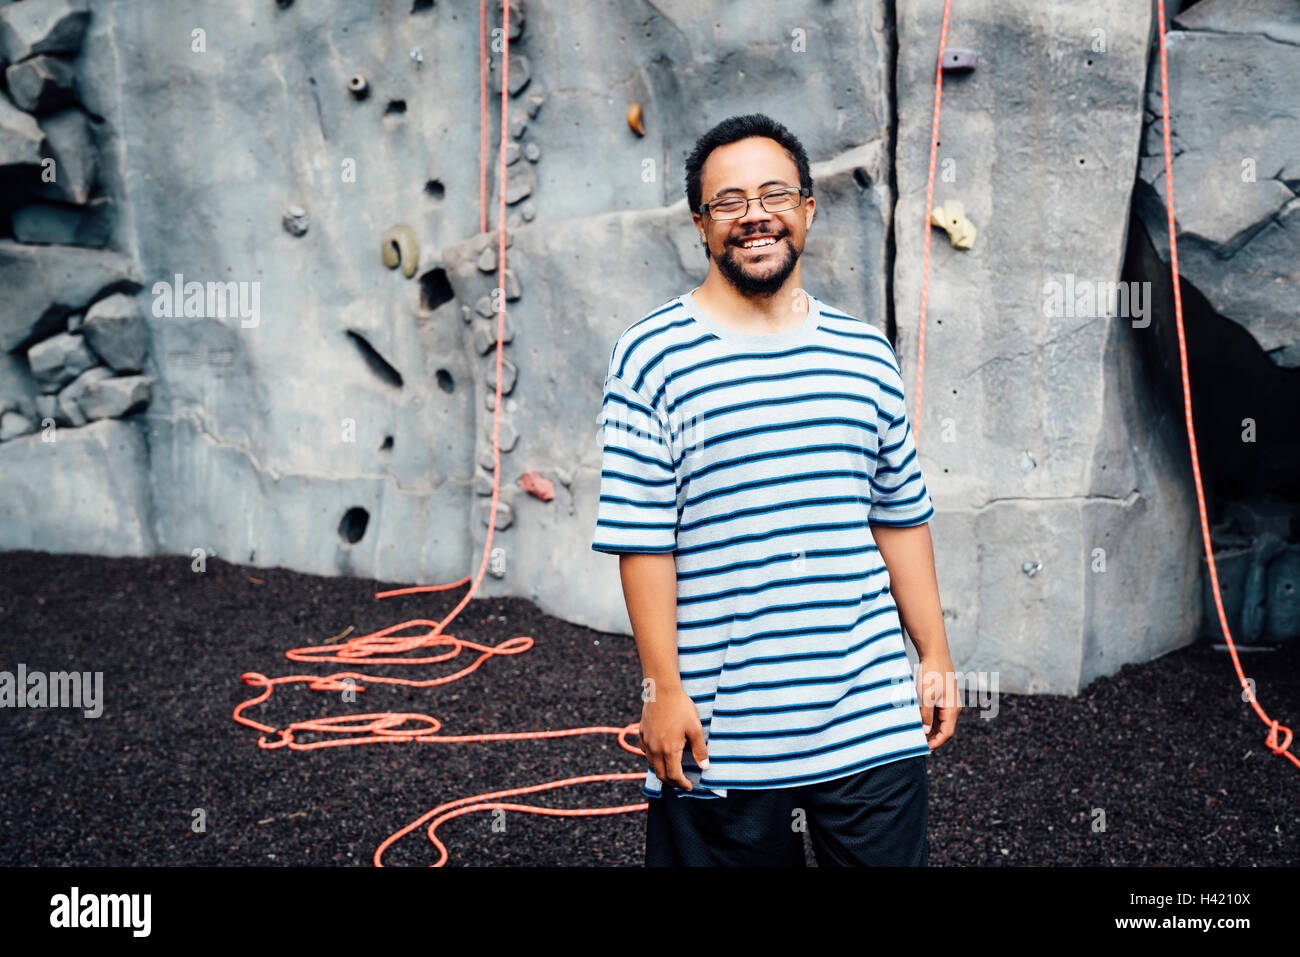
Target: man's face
749,168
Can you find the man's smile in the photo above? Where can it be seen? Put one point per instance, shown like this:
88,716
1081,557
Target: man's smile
759,243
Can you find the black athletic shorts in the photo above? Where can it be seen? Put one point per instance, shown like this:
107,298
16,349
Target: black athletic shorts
875,817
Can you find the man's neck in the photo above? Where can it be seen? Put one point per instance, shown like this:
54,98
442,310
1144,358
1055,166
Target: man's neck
786,309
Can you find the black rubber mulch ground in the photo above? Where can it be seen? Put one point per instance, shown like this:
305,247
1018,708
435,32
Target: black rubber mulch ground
1167,749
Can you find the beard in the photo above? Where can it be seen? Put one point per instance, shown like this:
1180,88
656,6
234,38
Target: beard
762,278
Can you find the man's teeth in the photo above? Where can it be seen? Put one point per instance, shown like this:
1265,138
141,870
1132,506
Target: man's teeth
751,243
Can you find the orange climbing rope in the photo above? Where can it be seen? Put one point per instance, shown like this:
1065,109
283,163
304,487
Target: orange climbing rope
402,727
1273,725
929,208
1278,748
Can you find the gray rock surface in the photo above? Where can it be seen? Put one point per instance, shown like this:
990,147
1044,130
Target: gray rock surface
1236,167
17,387
257,438
41,26
14,424
87,486
69,405
58,360
44,284
1276,19
1035,440
21,138
71,145
115,329
57,224
113,397
41,83
47,407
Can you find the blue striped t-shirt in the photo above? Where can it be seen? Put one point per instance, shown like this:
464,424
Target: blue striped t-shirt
760,461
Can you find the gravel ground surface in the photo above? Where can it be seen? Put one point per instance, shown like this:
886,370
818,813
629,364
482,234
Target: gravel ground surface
1166,749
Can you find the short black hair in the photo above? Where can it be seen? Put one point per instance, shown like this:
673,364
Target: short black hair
738,128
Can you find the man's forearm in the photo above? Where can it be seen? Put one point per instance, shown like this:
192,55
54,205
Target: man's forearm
909,556
650,591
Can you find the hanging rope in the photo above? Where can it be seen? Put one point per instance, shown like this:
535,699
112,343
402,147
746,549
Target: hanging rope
1274,727
1248,692
929,209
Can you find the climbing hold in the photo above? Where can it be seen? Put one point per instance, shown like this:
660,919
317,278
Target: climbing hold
512,286
505,514
537,485
295,221
634,119
958,60
507,440
516,19
401,247
521,73
485,336
358,87
951,216
520,181
417,56
508,374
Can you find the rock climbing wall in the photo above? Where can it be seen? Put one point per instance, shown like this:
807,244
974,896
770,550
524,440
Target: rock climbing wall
1235,138
249,311
308,408
1064,535
589,266
1233,69
319,411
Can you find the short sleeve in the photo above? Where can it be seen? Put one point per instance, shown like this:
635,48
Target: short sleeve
898,493
637,511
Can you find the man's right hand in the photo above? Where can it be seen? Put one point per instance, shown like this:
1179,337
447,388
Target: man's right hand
669,720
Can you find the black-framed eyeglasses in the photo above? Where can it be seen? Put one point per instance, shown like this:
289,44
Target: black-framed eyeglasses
774,201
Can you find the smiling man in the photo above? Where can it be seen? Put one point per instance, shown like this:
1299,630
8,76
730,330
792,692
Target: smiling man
760,484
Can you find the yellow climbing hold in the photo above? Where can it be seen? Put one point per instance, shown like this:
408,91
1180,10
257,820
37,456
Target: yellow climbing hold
951,216
401,246
634,120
